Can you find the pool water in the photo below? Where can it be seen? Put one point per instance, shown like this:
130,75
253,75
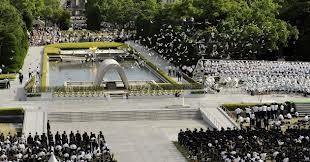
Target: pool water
60,72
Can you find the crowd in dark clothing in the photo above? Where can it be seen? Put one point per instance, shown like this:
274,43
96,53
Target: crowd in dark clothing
247,145
65,147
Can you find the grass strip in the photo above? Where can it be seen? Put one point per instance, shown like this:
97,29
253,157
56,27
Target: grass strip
8,76
182,150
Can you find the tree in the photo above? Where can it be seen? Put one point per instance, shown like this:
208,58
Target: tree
93,14
297,13
13,38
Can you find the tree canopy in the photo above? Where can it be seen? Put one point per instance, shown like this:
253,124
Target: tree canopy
13,38
243,29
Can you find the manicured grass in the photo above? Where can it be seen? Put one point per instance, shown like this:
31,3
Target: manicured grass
182,150
11,111
302,100
87,45
7,76
51,50
44,67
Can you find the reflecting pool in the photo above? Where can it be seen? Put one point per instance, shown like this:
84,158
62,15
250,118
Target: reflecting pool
60,72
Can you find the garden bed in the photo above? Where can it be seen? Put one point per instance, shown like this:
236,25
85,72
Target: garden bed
8,76
11,115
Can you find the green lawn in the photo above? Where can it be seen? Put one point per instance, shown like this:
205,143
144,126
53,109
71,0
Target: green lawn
87,45
302,100
182,150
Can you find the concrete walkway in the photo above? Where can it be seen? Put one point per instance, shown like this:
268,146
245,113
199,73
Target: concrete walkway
31,62
137,141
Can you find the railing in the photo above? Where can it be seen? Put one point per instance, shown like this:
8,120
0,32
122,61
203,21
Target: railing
118,83
210,118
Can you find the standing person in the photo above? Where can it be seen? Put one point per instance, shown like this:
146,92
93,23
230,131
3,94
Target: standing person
169,70
48,126
38,72
21,77
8,85
238,112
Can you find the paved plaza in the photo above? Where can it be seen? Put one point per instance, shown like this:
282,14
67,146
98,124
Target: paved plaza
137,141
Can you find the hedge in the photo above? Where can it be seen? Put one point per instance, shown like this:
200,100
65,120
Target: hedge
11,111
165,86
8,76
87,45
233,107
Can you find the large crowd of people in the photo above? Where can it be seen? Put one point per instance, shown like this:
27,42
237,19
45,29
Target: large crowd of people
65,147
50,35
261,77
244,145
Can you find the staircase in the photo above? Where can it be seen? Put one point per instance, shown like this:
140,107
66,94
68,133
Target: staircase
303,109
217,118
130,115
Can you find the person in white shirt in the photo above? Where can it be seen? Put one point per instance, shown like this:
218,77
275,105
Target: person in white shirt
247,111
289,116
306,118
296,114
238,112
282,109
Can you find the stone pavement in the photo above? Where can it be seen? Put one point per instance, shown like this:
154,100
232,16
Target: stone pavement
137,141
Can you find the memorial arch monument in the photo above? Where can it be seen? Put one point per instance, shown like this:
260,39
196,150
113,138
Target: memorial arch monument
106,65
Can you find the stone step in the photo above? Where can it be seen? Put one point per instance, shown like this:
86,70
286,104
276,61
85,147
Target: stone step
124,115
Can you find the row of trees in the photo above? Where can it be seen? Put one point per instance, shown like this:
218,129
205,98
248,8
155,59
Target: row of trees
243,29
16,21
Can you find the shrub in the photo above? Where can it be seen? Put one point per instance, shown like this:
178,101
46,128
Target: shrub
34,95
198,92
11,111
8,76
233,107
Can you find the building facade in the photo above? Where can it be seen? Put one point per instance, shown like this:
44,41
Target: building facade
75,7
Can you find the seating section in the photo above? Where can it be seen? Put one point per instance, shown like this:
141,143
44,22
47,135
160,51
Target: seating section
71,147
260,76
246,145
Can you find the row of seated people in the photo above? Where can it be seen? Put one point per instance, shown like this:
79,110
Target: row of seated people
245,145
261,77
43,147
